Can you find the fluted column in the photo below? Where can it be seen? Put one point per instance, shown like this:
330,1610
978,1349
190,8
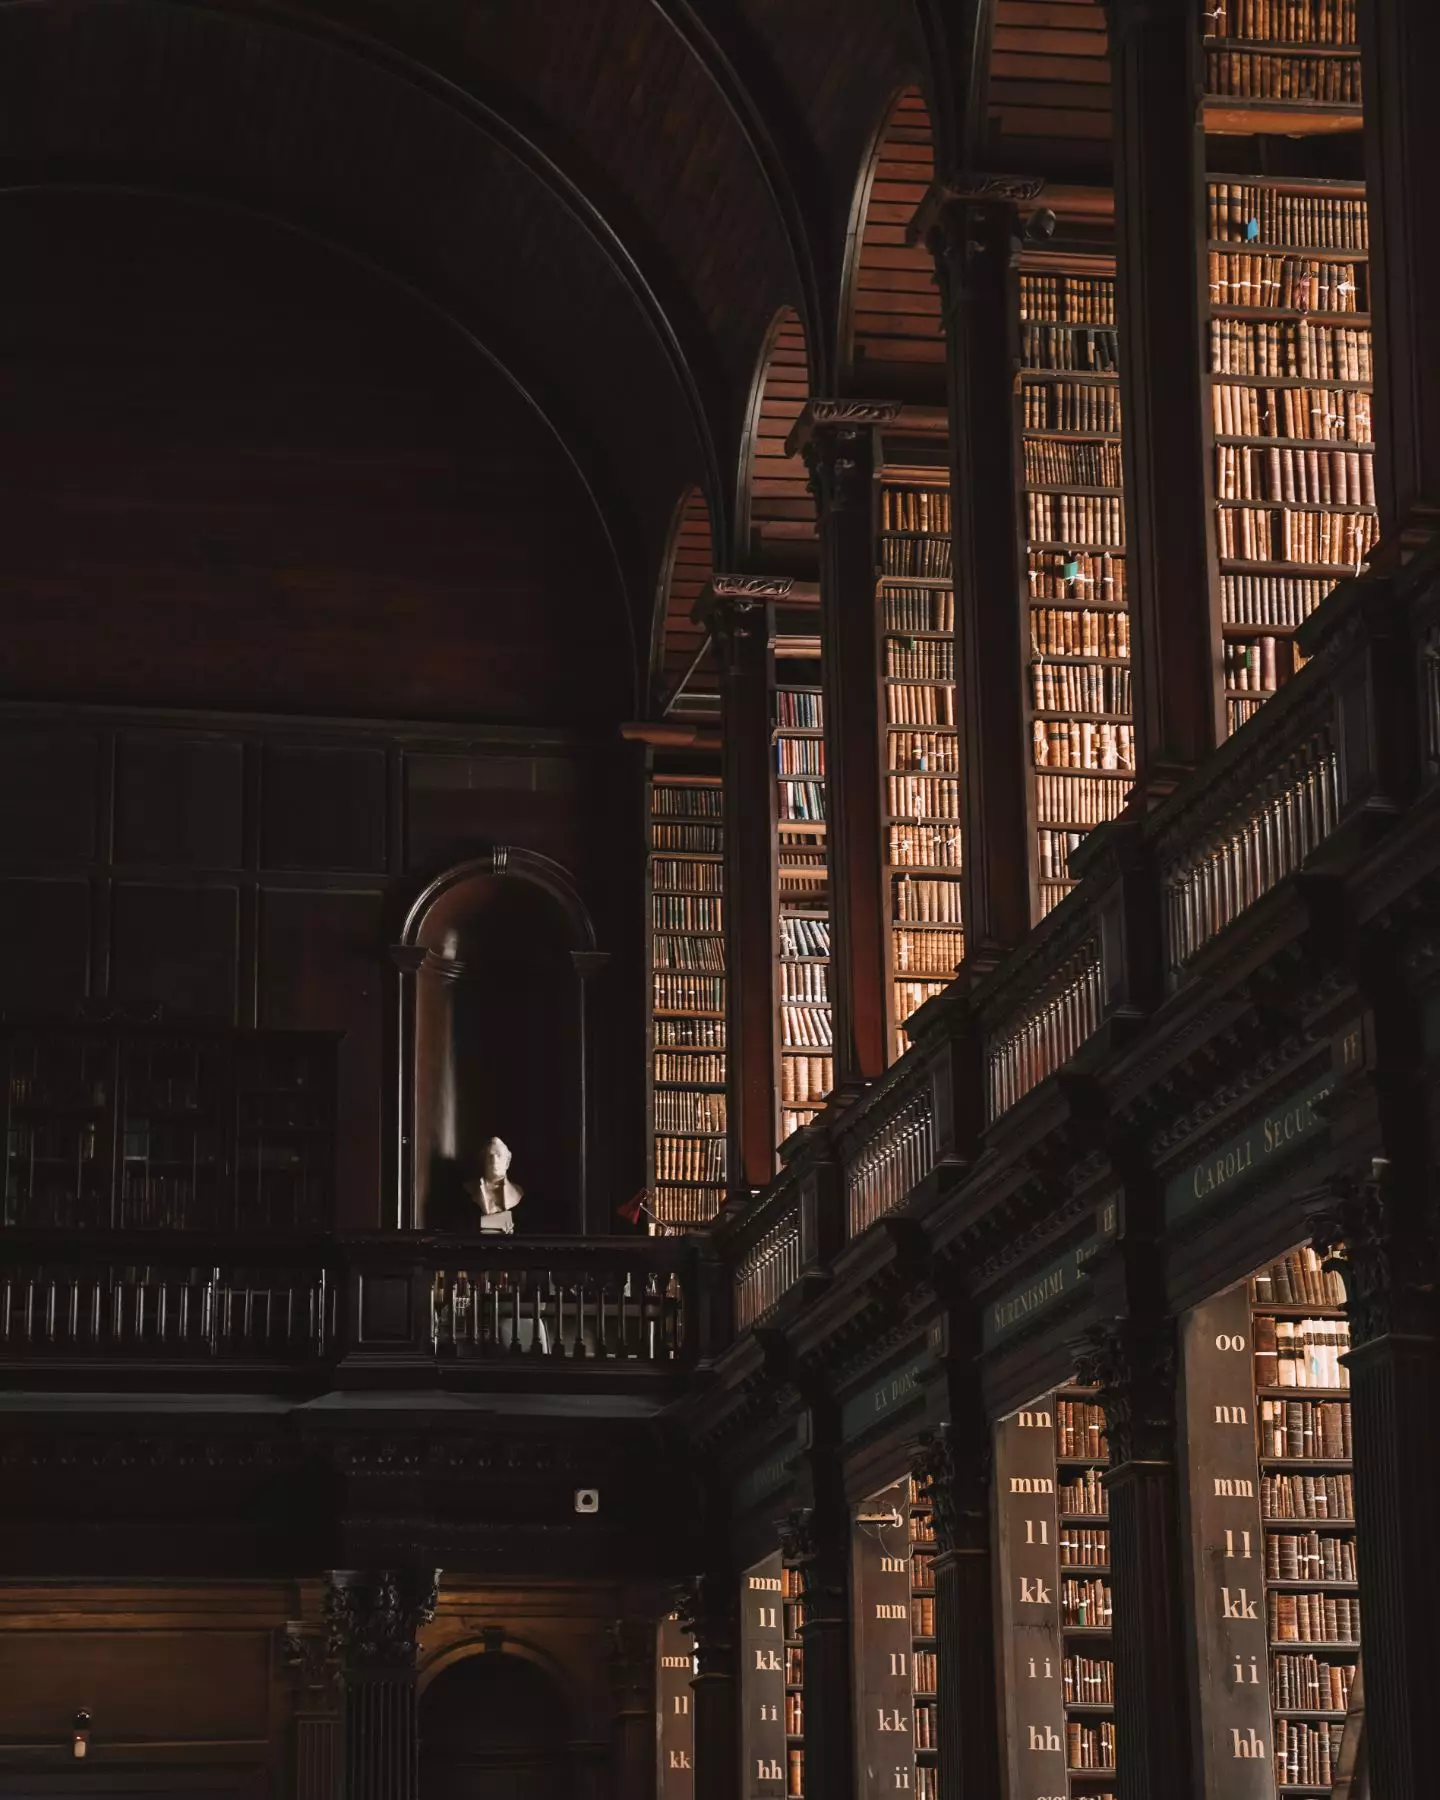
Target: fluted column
314,1679
957,1479
1133,1364
372,1617
706,1610
816,1542
633,1731
840,442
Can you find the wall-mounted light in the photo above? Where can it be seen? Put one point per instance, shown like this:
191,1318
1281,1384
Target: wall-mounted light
80,1734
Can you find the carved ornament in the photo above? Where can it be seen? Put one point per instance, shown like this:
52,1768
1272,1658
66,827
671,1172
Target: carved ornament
372,1616
1132,1363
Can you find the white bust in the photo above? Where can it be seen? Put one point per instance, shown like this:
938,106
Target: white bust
493,1193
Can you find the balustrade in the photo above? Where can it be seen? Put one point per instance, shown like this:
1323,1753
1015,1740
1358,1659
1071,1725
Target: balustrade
1047,1031
636,1314
894,1158
767,1271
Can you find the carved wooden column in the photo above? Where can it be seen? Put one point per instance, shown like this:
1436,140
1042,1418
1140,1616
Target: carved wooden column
1133,1363
958,1480
314,1679
706,1610
816,1542
1389,1232
373,1616
840,443
735,609
1400,44
972,230
1156,82
633,1733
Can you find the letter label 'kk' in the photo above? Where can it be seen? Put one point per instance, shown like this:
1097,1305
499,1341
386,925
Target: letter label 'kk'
1033,1591
767,1659
679,1759
1240,1607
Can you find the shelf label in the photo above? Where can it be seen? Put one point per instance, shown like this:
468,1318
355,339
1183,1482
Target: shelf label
1047,1287
768,1477
884,1648
1261,1144
674,1667
892,1393
762,1681
1029,1530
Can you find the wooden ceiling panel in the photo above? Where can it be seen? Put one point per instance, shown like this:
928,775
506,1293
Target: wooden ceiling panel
689,566
1050,83
780,509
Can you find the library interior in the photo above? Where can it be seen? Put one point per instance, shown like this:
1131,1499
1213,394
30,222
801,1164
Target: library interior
720,1020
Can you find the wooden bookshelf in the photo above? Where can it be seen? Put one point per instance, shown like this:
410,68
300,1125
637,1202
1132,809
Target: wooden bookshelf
765,1664
687,1031
1283,67
674,1670
803,1026
1078,692
1056,1610
896,1643
793,1623
920,777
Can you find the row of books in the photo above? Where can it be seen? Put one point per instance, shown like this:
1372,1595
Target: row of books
671,952
1051,462
924,509
702,839
682,800
699,1066
691,1034
1082,519
1083,744
1085,1602
802,800
1310,1430
925,1671
1311,1556
923,846
1310,1684
1078,800
1080,1430
1287,283
920,659
1240,709
795,1714
1080,687
910,996
924,796
1089,1681
918,608
1309,477
916,556
922,1616
1318,414
676,1110
1068,299
1313,1618
1306,1755
689,993
687,912
1254,665
1080,406
1328,1497
800,755
804,937
793,1119
805,1026
1084,1497
1089,1746
1293,21
1258,75
802,871
927,902
686,875
1299,1278
1291,348
935,751
1270,599
1079,631
689,1158
1084,1547
1281,534
926,952
922,1567
925,1728
920,705
1054,849
799,709
686,1205
1241,211
1095,349
805,981
1301,1353
1078,575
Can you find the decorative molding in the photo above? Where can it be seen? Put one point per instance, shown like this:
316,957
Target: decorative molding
705,1609
1132,1363
372,1617
754,588
310,1665
970,187
630,1663
935,1467
1384,1252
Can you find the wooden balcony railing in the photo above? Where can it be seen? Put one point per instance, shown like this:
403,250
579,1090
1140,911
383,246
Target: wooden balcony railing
895,1128
631,1313
766,1272
1046,1030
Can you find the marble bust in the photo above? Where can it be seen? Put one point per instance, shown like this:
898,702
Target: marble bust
492,1192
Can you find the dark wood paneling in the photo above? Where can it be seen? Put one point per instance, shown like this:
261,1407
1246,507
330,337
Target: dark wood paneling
47,795
178,801
44,945
169,1687
323,967
323,807
458,806
177,947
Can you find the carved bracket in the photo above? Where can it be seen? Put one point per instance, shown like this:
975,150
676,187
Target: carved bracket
1132,1362
372,1617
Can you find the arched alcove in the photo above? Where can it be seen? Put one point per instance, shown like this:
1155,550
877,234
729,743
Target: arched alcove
683,675
494,963
778,533
495,1727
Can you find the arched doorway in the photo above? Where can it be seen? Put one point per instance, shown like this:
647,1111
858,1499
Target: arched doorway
495,1727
